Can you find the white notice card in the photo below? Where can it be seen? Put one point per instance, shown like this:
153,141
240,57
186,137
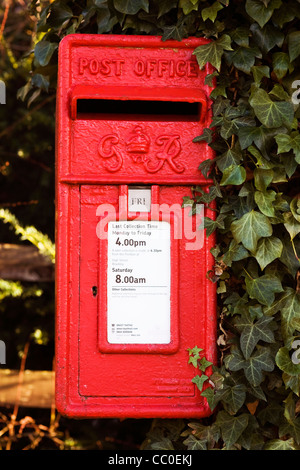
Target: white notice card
138,282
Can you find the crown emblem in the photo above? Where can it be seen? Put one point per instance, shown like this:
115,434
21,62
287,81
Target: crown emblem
138,142
164,149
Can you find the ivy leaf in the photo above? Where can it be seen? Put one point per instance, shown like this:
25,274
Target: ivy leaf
43,52
209,79
290,312
219,91
253,332
281,64
40,81
199,381
210,396
292,425
194,355
262,178
289,163
213,52
288,142
271,113
164,444
264,201
268,249
285,13
177,32
104,20
256,364
259,72
230,158
131,7
233,396
203,364
42,22
261,12
278,444
289,306
227,126
263,288
211,225
24,90
291,224
231,427
288,257
206,135
163,433
188,6
243,58
272,413
219,105
211,12
209,434
206,167
195,351
234,174
207,197
250,439
267,37
241,36
263,138
235,252
279,92
249,134
164,6
235,361
292,382
250,228
59,13
193,443
279,175
294,45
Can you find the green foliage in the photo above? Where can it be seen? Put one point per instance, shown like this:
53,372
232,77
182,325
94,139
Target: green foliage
15,289
200,363
34,236
27,189
255,48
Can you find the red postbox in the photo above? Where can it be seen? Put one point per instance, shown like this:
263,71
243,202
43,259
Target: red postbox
132,294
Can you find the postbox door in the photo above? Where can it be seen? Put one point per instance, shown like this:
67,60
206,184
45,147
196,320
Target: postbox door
156,365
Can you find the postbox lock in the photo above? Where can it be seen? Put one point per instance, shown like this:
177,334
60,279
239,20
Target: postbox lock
94,290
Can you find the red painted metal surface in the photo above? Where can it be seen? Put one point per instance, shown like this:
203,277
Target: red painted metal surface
131,136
